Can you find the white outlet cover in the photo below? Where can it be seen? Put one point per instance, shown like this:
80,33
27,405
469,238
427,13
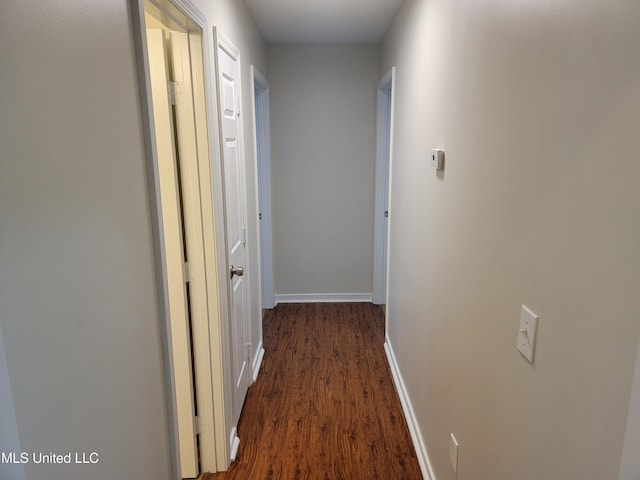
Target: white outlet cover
527,333
453,453
437,159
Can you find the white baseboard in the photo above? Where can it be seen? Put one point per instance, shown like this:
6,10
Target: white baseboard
323,297
257,361
234,443
414,428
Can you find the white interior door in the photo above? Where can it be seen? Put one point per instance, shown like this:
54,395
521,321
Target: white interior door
229,88
174,252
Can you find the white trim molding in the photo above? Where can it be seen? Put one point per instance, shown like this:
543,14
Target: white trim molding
323,298
234,443
262,170
257,361
384,150
410,416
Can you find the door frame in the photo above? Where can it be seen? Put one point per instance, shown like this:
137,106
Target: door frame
262,165
384,155
211,358
183,310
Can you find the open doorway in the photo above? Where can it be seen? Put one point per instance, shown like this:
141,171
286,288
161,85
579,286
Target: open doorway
262,148
384,143
172,76
182,307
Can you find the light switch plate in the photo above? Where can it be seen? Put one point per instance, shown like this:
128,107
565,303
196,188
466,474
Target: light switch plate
527,333
453,453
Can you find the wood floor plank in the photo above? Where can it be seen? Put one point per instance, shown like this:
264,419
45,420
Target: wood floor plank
324,406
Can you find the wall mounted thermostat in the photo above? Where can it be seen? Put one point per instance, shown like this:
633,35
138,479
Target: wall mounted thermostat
437,159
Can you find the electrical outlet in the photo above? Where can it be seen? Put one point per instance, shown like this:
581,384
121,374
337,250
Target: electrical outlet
437,159
453,453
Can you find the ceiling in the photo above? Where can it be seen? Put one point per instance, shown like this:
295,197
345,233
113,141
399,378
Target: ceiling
323,21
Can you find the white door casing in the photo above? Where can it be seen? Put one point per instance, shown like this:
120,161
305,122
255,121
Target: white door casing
229,101
174,258
210,332
262,148
384,141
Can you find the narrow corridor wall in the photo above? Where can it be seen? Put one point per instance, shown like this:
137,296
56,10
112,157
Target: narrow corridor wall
79,317
536,106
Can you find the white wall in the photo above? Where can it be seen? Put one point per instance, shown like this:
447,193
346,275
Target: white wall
235,22
323,100
79,316
537,106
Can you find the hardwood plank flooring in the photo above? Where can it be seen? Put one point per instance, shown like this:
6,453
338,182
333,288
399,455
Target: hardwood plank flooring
324,406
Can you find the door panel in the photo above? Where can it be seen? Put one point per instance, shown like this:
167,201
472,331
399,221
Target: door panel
228,61
174,252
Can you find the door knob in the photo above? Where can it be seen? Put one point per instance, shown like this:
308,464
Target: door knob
239,271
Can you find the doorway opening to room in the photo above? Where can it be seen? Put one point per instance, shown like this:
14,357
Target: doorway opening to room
384,143
262,148
192,286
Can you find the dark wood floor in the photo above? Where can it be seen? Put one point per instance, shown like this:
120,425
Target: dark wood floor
324,405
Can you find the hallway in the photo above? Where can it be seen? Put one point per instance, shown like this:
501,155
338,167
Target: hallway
324,405
536,106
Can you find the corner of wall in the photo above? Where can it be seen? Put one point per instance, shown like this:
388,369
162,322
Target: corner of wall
630,462
9,439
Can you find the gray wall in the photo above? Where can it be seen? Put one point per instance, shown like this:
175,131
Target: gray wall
537,106
79,321
323,101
